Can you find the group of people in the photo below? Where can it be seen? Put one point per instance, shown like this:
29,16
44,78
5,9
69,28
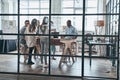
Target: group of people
29,41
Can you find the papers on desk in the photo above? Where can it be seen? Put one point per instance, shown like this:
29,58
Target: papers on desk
92,42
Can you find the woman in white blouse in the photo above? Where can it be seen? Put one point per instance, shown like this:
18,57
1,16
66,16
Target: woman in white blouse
31,40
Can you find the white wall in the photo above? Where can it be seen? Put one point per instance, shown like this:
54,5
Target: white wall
8,7
56,8
107,1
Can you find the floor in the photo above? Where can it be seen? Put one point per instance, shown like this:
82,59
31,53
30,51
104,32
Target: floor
99,68
29,77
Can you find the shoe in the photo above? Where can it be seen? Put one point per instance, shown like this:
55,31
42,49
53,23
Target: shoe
45,66
54,58
30,63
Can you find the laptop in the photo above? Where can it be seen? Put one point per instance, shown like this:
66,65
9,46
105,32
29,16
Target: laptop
55,34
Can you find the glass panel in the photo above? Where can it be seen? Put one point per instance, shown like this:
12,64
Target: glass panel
65,11
66,6
9,63
23,4
38,51
65,3
23,11
34,11
96,6
36,68
70,64
60,23
23,18
98,25
98,28
44,11
77,11
100,68
9,24
90,23
9,6
91,10
78,3
92,6
34,4
92,3
44,4
8,44
34,7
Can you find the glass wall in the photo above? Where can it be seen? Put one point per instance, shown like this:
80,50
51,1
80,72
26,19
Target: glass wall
93,53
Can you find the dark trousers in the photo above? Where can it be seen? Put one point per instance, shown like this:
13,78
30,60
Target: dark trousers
30,54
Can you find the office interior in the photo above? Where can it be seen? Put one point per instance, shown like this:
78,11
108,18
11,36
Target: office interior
96,49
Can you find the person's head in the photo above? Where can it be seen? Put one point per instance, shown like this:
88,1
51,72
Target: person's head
68,23
27,22
33,24
45,20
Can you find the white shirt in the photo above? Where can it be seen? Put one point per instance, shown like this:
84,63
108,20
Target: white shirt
30,40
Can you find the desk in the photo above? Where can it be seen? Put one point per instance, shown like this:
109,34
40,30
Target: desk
91,43
7,45
55,41
67,45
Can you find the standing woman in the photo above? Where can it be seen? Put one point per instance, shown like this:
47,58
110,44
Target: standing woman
44,41
31,40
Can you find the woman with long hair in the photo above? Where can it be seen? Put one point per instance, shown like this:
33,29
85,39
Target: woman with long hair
44,41
31,40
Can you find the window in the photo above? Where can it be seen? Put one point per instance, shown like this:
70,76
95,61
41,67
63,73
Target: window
83,15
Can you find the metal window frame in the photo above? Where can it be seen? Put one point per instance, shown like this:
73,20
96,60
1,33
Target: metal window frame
83,37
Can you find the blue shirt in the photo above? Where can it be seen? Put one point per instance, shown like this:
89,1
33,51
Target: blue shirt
70,31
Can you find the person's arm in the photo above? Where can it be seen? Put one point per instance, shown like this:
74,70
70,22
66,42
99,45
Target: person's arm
75,31
22,30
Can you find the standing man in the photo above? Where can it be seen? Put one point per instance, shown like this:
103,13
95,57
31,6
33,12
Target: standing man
23,44
22,31
72,34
